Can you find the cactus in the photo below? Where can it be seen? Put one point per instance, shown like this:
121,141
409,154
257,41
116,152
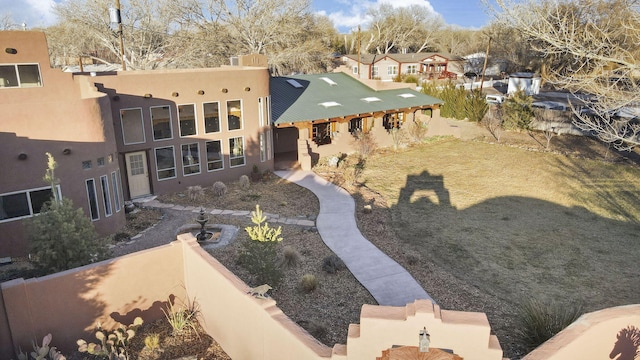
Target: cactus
43,352
113,345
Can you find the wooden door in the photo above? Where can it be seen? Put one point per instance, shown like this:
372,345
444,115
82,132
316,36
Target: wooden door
137,174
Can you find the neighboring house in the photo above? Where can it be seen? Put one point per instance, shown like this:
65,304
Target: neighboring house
120,135
387,67
323,112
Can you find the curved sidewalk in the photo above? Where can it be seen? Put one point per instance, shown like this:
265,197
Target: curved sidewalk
387,281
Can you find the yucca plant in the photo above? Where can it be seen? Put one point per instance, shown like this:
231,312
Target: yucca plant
540,321
182,317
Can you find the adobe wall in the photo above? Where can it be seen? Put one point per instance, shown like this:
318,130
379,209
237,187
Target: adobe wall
594,336
69,304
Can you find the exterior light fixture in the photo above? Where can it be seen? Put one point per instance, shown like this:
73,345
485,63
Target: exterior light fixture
11,51
225,90
175,94
66,151
22,156
424,340
247,89
200,92
148,96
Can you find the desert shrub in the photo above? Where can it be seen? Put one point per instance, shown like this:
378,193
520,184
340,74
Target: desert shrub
195,193
182,317
219,188
417,131
412,79
475,106
152,342
399,138
332,264
113,344
244,182
308,283
412,259
290,257
364,143
493,122
540,321
517,111
63,237
259,255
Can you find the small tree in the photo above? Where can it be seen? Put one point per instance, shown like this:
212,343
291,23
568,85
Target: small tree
517,111
475,106
259,255
493,122
62,237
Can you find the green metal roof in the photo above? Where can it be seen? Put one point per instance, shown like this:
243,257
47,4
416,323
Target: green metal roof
300,98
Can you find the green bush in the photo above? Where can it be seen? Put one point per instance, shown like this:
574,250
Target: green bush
540,321
62,238
475,106
517,111
332,264
259,255
454,98
308,283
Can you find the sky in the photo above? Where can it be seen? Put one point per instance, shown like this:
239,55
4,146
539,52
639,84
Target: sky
345,14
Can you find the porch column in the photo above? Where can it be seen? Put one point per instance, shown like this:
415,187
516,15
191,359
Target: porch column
304,156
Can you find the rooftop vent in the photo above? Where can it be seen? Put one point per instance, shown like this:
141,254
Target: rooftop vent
406,95
329,104
370,99
294,83
329,81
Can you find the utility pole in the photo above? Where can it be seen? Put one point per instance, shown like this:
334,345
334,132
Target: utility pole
486,60
358,51
114,18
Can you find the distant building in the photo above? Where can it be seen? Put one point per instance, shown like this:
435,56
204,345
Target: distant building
387,67
529,82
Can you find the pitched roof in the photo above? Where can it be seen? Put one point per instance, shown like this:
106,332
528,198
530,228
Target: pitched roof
300,98
401,58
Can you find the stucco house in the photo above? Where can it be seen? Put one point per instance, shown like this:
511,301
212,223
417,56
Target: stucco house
121,135
386,67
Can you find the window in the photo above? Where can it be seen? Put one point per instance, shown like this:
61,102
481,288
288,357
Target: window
87,164
355,70
355,125
132,126
236,151
106,196
234,114
161,121
100,161
260,113
115,184
412,69
20,75
392,121
374,71
211,117
165,163
214,155
392,70
263,149
269,145
190,159
93,199
23,204
187,119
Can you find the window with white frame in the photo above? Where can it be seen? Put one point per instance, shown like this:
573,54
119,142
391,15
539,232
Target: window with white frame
20,75
92,196
236,151
106,196
412,69
269,145
263,148
260,112
190,159
234,115
392,70
374,71
161,122
26,203
187,119
132,126
115,184
214,155
165,163
211,117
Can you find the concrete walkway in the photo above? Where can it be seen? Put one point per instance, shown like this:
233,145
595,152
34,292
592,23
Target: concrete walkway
387,281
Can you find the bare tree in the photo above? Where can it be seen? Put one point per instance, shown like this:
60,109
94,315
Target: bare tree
590,47
493,121
7,23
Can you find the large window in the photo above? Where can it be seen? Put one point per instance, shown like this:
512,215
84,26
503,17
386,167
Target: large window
22,204
260,113
161,120
187,119
412,69
269,145
393,121
20,75
93,199
115,183
214,155
392,70
106,196
165,163
234,114
355,125
211,117
263,148
190,159
236,151
132,126
374,72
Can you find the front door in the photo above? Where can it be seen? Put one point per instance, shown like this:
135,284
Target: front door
137,174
